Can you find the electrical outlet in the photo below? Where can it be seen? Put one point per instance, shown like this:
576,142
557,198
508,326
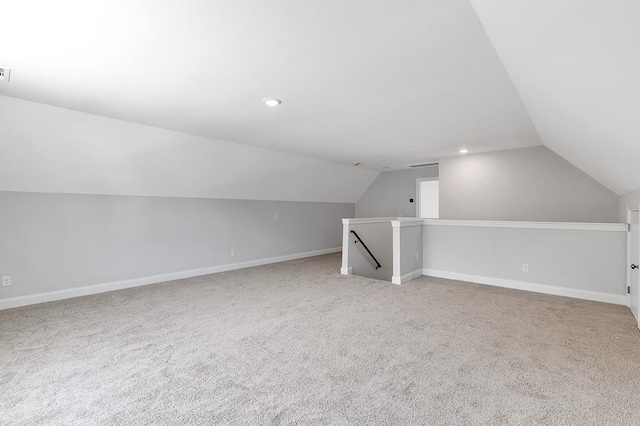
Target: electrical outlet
5,74
525,267
276,216
6,281
417,256
233,253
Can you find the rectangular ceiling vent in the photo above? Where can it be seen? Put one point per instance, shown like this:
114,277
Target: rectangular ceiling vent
5,73
415,166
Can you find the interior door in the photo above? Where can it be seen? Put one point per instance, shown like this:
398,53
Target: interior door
428,198
634,258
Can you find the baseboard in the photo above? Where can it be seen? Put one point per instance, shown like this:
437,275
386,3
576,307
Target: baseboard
407,277
597,296
16,302
346,271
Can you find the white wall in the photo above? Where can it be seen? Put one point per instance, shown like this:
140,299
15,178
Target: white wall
528,184
51,149
589,264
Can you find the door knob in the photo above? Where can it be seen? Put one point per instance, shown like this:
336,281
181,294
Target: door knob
634,266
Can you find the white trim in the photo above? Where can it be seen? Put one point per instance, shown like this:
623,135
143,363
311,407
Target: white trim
612,227
629,262
406,223
367,220
618,299
346,269
15,302
395,271
407,277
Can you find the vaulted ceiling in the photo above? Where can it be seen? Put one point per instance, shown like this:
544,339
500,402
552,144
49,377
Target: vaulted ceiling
385,83
576,65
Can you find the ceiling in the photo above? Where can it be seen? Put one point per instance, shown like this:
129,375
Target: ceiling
57,150
385,83
576,65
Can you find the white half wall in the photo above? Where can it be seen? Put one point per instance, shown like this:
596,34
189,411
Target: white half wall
408,250
576,260
51,149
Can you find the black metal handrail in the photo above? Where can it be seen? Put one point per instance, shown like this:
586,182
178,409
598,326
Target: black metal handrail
366,248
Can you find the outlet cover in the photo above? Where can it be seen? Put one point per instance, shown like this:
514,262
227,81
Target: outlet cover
6,281
5,74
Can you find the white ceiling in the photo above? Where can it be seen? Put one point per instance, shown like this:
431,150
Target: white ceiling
386,83
49,149
576,64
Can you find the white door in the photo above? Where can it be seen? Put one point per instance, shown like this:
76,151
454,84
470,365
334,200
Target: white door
634,260
428,198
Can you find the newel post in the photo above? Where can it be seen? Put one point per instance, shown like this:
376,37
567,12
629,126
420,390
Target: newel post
345,269
396,277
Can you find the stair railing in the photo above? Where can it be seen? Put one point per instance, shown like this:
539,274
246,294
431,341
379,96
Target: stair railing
366,248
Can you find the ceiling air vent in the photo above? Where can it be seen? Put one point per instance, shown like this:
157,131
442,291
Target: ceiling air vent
4,74
415,166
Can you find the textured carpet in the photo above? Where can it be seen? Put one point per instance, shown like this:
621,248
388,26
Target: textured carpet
296,343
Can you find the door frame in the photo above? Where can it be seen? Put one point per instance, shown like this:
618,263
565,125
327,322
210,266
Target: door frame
628,264
630,212
418,180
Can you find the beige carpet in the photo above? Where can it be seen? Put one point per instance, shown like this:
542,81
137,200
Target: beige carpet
296,343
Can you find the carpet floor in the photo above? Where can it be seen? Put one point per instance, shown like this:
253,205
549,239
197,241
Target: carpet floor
297,343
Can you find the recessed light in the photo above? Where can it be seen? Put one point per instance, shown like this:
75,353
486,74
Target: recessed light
385,167
356,163
464,151
272,101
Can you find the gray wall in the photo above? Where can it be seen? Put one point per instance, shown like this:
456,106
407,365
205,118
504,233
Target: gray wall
630,199
410,245
52,242
582,260
379,239
389,194
530,184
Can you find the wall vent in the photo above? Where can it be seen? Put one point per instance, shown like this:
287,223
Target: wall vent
5,73
415,166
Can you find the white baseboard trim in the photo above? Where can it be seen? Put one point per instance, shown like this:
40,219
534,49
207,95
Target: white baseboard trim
346,271
32,299
597,296
407,277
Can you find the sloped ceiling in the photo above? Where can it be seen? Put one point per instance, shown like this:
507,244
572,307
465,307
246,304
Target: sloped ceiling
576,65
51,149
385,83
